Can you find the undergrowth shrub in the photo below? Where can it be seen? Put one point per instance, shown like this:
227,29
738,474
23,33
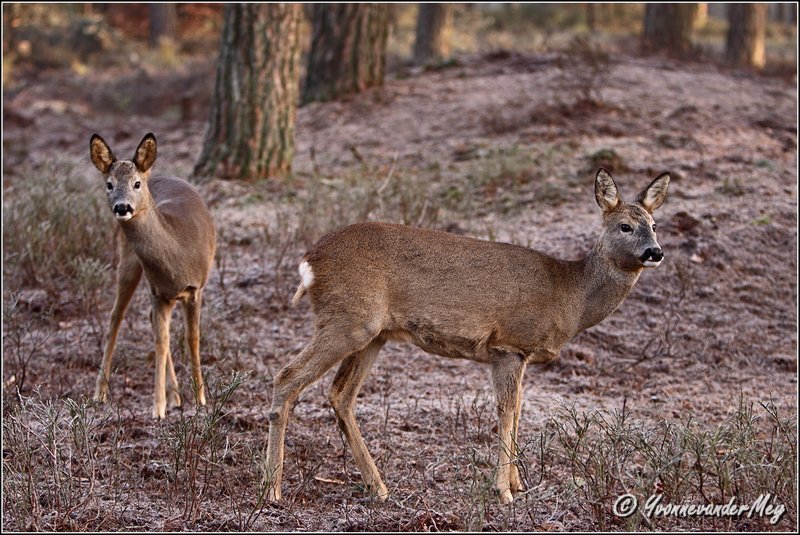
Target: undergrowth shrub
57,233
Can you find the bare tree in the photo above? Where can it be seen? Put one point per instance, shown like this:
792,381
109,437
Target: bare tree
163,22
434,26
251,127
668,27
745,43
348,49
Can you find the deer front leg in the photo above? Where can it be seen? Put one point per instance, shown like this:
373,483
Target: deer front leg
507,371
162,311
129,272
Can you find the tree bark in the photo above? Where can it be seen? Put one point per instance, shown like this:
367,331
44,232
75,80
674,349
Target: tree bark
591,16
434,26
163,22
668,27
250,133
745,43
348,49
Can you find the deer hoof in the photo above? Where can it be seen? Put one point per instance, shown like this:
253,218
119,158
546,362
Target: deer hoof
101,390
516,484
379,491
159,410
174,399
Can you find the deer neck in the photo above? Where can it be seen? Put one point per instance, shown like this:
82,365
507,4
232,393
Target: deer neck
605,286
154,244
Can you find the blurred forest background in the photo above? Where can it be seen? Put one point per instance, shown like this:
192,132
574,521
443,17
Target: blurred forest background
318,52
487,120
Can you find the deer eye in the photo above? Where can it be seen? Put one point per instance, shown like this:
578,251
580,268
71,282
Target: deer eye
137,185
626,227
654,227
109,186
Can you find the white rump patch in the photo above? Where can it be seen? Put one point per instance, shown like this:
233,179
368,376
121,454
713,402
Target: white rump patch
306,274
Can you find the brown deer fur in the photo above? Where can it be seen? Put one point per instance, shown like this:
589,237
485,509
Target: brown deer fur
167,233
457,297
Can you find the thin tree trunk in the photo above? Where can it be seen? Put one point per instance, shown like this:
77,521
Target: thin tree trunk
591,16
163,22
250,132
668,27
434,26
745,43
348,49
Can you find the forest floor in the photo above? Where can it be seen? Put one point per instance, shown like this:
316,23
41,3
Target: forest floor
689,389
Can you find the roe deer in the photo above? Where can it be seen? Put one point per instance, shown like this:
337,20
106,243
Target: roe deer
167,232
457,297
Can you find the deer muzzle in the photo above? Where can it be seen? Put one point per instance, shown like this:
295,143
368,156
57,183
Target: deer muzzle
652,257
123,211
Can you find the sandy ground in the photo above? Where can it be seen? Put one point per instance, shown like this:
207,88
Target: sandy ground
728,229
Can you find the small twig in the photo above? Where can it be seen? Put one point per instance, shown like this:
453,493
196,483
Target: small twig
314,164
357,155
382,187
390,174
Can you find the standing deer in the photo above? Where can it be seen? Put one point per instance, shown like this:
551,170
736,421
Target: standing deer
167,233
457,297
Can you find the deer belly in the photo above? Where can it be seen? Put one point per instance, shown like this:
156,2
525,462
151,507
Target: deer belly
433,341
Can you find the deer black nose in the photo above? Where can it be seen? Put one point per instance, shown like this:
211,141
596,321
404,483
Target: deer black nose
122,208
652,253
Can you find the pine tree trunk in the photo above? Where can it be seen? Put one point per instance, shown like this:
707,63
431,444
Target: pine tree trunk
250,131
668,27
745,43
434,26
163,22
591,16
348,49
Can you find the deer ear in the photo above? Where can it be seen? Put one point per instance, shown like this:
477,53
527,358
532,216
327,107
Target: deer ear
605,191
101,154
653,195
145,153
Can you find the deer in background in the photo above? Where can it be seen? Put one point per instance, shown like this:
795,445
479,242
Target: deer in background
167,233
458,297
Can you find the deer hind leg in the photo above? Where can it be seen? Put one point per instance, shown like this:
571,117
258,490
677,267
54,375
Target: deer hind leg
507,371
348,381
162,311
191,308
173,392
129,272
325,349
515,482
